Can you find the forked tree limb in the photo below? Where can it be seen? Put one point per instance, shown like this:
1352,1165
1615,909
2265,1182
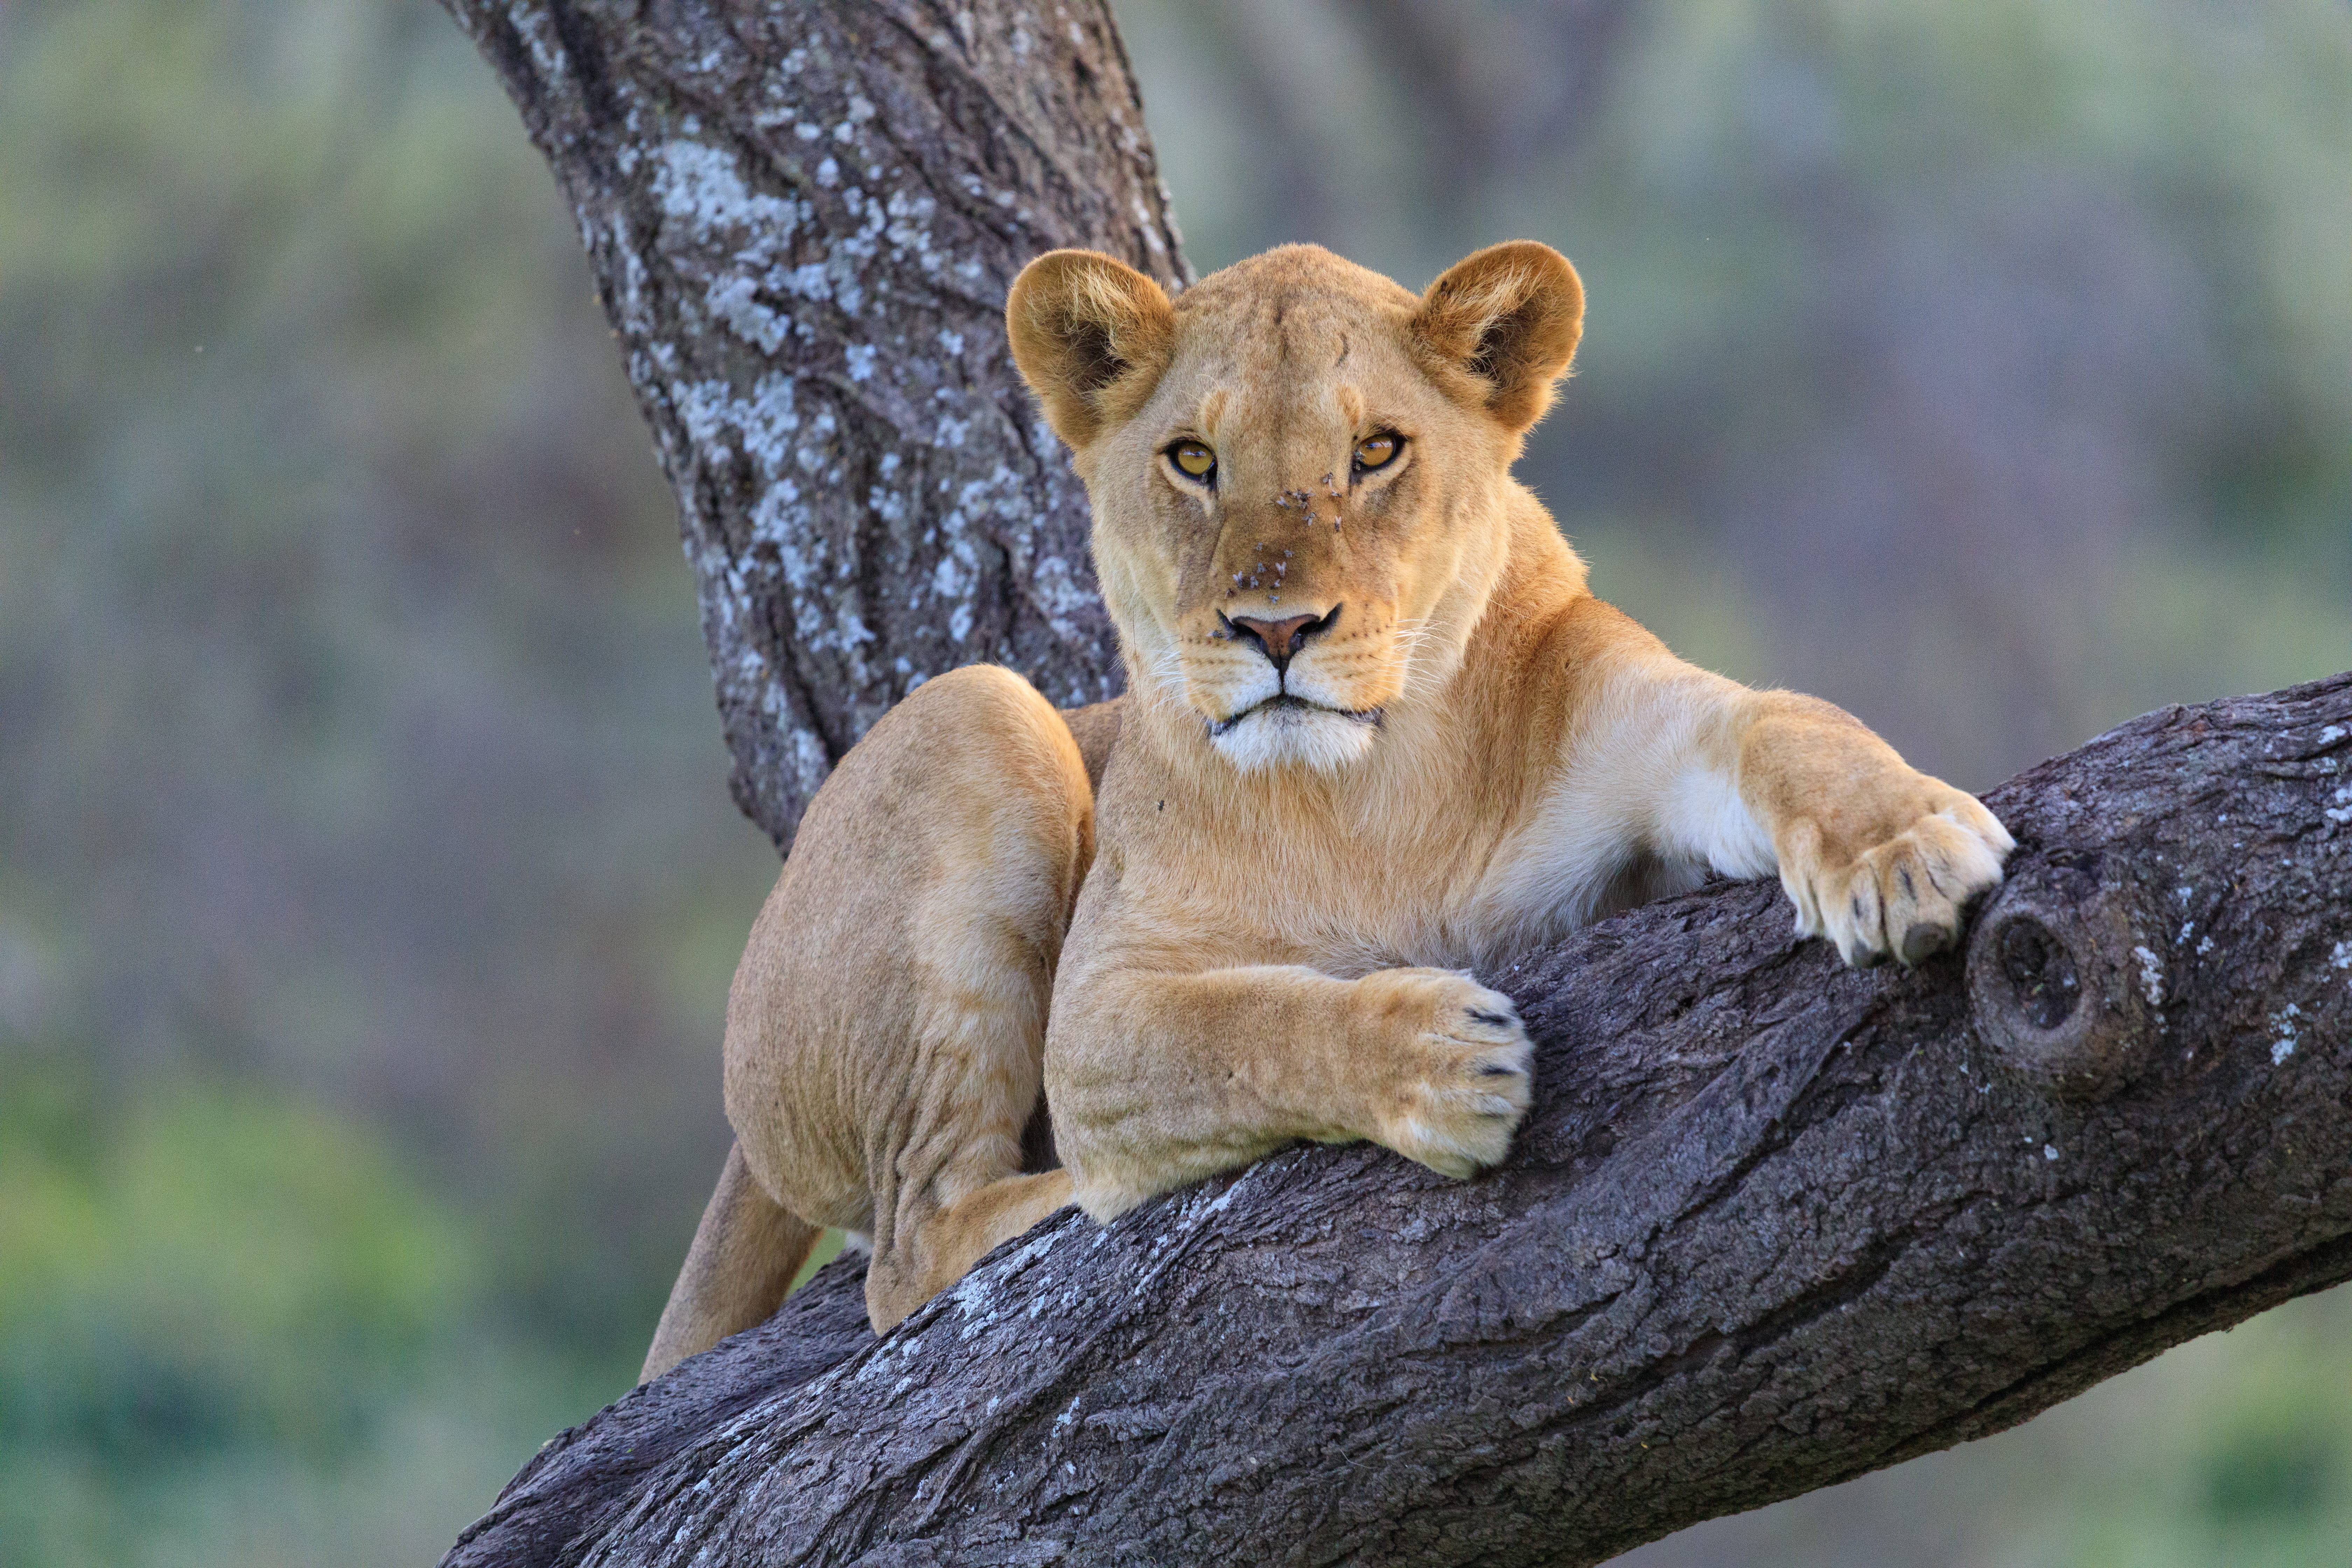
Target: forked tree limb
1772,1224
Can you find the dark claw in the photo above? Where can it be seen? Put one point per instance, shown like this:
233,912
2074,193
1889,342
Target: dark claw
1498,1020
1495,1070
1922,940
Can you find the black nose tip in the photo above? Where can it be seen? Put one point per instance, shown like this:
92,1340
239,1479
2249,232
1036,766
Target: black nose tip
1280,639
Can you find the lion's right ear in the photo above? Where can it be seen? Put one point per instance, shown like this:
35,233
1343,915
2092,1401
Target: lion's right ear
1092,337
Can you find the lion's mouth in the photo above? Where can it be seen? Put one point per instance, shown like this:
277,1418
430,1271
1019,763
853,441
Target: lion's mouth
1285,703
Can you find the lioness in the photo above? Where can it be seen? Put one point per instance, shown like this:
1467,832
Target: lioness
1376,734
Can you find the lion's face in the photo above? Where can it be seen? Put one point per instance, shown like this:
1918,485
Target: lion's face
1296,473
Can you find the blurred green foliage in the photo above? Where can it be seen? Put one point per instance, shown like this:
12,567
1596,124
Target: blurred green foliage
215,1267
211,1296
368,887
204,1272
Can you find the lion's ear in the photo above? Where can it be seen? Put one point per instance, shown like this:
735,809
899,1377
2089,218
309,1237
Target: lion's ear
1091,336
1509,315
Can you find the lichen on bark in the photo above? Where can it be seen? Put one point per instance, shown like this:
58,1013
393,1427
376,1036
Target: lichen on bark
1770,1223
803,220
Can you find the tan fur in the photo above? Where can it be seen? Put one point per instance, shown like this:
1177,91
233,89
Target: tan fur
1466,755
885,1026
745,1253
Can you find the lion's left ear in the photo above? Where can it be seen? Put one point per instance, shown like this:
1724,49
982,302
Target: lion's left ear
1508,315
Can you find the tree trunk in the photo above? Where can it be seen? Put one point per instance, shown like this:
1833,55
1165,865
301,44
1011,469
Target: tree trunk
803,219
1772,1224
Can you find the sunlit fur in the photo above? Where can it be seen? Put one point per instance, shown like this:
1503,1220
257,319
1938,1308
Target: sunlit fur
1277,936
1275,944
1283,382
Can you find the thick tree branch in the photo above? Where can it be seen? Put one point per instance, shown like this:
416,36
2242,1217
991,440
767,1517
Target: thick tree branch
803,219
1771,1224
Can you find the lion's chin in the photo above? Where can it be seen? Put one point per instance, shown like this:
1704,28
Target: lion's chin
1285,731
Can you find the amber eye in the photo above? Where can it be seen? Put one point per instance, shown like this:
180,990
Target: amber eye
1377,452
1195,458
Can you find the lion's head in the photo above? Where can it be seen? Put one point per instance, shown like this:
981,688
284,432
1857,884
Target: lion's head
1298,471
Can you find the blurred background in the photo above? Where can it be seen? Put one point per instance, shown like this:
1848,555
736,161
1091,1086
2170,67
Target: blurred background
368,881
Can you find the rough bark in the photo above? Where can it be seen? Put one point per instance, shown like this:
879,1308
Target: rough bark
803,219
1772,1224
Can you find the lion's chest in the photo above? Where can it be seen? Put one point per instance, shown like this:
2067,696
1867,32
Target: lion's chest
1349,893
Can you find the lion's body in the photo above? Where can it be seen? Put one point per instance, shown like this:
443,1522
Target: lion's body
1379,733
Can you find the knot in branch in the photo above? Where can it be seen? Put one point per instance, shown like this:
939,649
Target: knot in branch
2057,984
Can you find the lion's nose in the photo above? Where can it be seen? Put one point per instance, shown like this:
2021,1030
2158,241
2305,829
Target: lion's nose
1282,639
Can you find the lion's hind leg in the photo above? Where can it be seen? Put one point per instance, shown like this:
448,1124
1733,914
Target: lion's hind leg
938,1248
979,958
885,1036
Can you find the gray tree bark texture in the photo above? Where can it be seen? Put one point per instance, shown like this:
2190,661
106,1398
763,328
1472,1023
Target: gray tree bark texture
1770,1224
803,218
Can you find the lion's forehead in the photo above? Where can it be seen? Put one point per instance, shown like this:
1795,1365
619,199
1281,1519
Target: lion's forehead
1296,305
1292,272
1297,333
1290,365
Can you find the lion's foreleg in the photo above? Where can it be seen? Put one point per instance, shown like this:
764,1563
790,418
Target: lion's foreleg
1876,856
1155,1078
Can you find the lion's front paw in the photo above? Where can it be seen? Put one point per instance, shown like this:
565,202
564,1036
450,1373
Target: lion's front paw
1902,891
1456,1080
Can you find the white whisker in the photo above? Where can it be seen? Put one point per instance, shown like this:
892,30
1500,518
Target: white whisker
1414,638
